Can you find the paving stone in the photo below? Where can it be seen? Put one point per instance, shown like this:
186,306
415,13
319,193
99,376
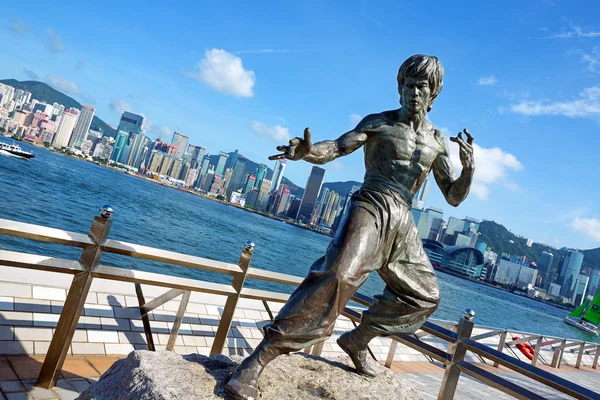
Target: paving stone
16,318
119,348
6,333
120,324
11,386
6,371
88,348
48,293
115,300
15,290
95,336
16,347
80,385
98,310
130,313
26,367
19,396
132,338
32,305
41,319
101,364
7,304
38,393
25,333
78,367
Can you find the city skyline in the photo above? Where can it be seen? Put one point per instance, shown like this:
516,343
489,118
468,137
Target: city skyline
509,108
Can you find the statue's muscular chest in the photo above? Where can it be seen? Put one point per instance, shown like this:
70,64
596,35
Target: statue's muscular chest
398,143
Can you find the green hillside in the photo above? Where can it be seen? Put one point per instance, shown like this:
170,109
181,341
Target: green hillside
501,240
43,92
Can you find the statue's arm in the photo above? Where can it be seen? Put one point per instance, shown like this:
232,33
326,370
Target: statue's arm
455,191
327,150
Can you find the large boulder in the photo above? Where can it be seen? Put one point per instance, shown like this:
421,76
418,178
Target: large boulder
165,375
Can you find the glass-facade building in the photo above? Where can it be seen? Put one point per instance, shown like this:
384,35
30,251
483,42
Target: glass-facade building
313,186
569,273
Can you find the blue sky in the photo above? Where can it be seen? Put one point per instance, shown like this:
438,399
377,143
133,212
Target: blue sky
522,76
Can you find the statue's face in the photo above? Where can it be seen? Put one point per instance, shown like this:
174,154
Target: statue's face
415,94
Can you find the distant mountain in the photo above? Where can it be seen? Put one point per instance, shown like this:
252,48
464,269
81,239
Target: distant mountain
501,240
43,92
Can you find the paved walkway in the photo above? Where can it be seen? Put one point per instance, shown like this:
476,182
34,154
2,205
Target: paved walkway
18,375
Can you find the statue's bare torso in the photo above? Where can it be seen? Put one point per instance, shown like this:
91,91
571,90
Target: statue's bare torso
397,157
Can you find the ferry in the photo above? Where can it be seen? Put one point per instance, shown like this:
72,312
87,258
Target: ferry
14,150
586,317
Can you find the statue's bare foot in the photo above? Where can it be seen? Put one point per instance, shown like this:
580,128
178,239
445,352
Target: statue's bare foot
242,384
359,357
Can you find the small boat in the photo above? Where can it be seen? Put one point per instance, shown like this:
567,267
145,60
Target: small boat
586,317
14,150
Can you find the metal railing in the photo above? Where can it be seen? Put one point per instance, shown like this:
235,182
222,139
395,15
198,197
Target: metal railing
96,242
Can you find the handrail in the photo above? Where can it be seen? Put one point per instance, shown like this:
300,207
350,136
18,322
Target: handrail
96,242
171,257
43,234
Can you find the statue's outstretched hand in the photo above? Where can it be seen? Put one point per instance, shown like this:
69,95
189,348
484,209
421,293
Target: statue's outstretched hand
297,149
466,149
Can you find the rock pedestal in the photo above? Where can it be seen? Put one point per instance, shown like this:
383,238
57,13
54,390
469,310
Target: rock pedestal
165,375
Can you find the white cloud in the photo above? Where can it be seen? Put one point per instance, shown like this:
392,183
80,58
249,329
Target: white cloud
277,132
119,105
576,32
161,130
586,105
54,42
355,119
63,85
492,166
592,59
336,165
225,73
487,80
590,227
19,26
31,74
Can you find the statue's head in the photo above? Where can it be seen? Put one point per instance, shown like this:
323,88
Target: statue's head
420,80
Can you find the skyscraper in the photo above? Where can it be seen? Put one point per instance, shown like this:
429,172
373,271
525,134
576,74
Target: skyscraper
569,273
261,173
196,155
313,186
249,184
120,140
203,170
181,141
220,169
133,125
237,176
278,174
232,159
421,196
65,128
82,126
545,267
594,282
263,194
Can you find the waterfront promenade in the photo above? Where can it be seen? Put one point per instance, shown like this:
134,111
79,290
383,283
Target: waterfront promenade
110,327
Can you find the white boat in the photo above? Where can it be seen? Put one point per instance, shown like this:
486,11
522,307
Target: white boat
14,150
586,317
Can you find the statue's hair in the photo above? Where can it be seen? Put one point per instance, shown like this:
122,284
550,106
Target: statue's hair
424,67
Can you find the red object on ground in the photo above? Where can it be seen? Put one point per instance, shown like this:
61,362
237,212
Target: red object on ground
525,348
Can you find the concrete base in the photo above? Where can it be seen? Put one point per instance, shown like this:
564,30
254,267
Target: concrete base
166,375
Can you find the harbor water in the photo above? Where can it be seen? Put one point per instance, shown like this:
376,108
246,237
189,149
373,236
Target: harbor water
62,192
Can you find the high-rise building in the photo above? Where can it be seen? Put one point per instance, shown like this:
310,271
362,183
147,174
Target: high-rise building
569,273
82,126
232,159
261,173
594,285
421,196
220,169
545,266
330,210
203,170
133,125
196,155
263,194
278,174
237,176
311,192
216,184
65,128
461,232
120,140
207,181
248,184
580,290
281,207
181,141
226,181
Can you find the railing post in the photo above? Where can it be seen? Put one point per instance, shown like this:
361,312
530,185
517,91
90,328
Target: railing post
595,364
80,286
501,345
391,354
580,355
231,303
452,373
536,352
